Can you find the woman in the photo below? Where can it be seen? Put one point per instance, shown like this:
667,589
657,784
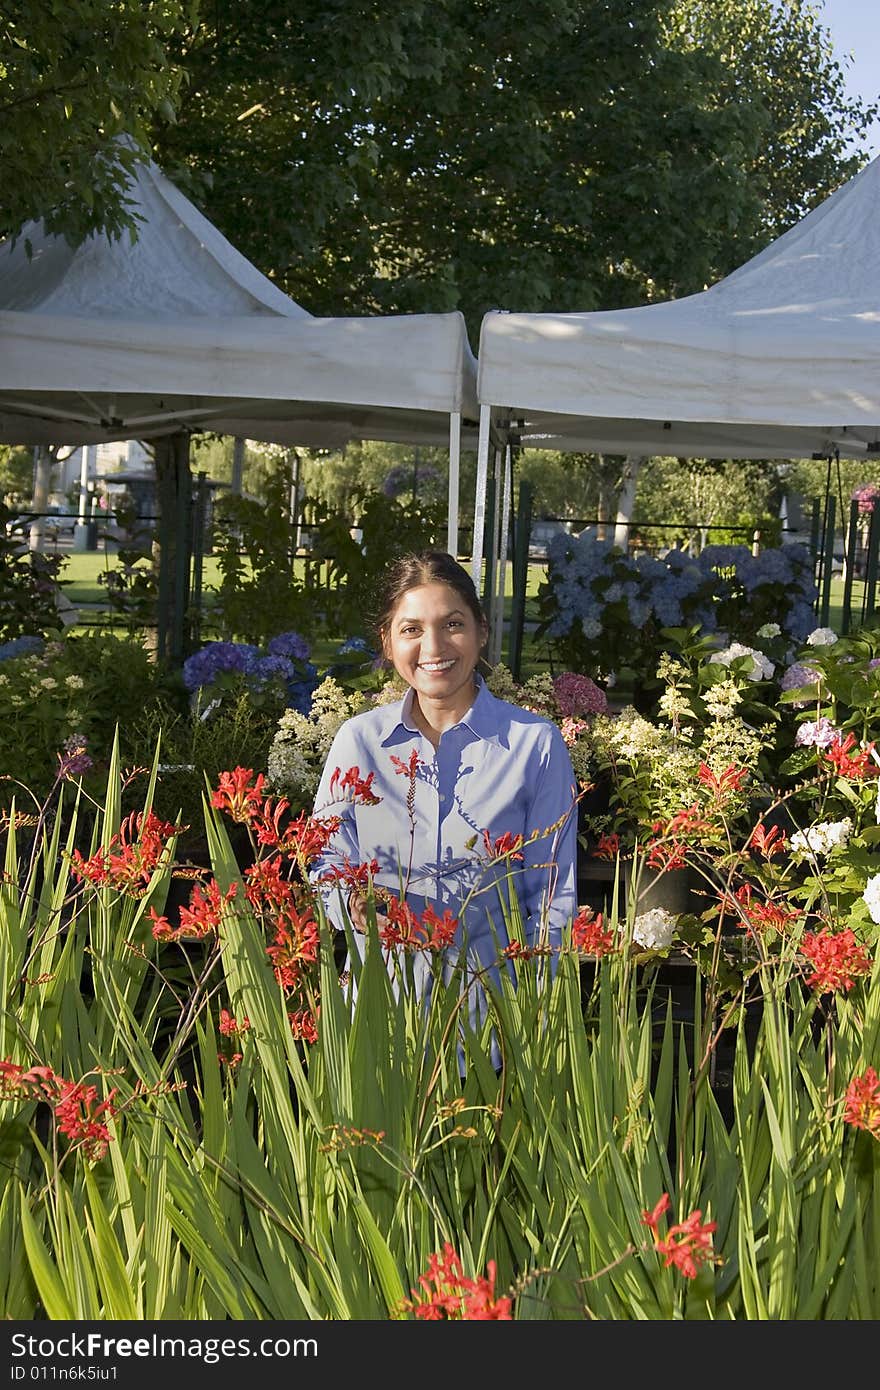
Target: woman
437,786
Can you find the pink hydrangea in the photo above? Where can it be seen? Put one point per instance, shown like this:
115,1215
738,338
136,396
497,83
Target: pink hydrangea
577,695
797,676
821,734
867,494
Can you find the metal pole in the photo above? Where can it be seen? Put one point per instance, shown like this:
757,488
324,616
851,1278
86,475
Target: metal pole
871,564
504,544
480,498
852,542
520,578
200,512
828,559
454,473
183,548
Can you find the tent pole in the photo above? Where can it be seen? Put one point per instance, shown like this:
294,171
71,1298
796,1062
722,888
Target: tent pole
504,534
454,468
480,499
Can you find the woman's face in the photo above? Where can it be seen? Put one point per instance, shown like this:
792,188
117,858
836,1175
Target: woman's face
433,641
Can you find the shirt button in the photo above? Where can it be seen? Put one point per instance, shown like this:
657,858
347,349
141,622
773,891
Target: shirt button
441,796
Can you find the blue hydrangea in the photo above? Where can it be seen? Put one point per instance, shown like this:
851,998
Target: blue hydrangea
213,660
291,645
28,645
260,670
354,644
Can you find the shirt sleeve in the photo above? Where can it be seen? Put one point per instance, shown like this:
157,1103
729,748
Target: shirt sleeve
343,848
550,867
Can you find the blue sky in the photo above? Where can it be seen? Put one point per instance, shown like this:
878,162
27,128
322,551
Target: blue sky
855,29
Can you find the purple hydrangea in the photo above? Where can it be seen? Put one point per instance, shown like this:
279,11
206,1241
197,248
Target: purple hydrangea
215,659
291,645
796,677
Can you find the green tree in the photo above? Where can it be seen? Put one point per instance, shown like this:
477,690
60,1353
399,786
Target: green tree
74,76
688,497
540,154
16,474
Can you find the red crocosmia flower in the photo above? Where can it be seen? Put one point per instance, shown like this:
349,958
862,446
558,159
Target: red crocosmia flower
720,783
685,1245
440,930
861,1104
608,846
403,927
767,842
771,914
201,918
230,1026
304,1025
663,855
132,856
351,875
858,766
689,821
507,846
79,1118
446,1294
267,884
652,1218
837,960
17,1081
237,797
295,947
305,838
587,934
350,786
515,950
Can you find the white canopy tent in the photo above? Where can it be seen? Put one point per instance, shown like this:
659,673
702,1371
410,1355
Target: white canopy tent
781,359
178,331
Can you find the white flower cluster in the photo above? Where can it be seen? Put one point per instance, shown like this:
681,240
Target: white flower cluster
301,743
769,631
761,668
821,838
871,896
722,699
821,637
536,693
655,929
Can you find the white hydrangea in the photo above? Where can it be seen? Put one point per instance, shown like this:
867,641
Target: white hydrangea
821,838
822,637
655,929
768,631
761,668
871,896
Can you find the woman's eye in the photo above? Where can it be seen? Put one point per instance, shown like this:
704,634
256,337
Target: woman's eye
456,622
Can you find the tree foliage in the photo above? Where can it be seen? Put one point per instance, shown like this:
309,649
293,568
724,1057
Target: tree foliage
691,496
74,76
543,154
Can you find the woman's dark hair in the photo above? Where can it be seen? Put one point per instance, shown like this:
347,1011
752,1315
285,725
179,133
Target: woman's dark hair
424,567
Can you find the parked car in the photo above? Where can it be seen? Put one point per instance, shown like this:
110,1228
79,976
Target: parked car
542,533
55,522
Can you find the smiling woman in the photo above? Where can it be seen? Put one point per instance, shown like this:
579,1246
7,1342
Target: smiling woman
450,803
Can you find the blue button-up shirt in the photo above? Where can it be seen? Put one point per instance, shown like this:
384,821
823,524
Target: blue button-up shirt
500,769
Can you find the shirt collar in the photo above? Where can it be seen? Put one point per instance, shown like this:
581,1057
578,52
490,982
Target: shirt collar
483,718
